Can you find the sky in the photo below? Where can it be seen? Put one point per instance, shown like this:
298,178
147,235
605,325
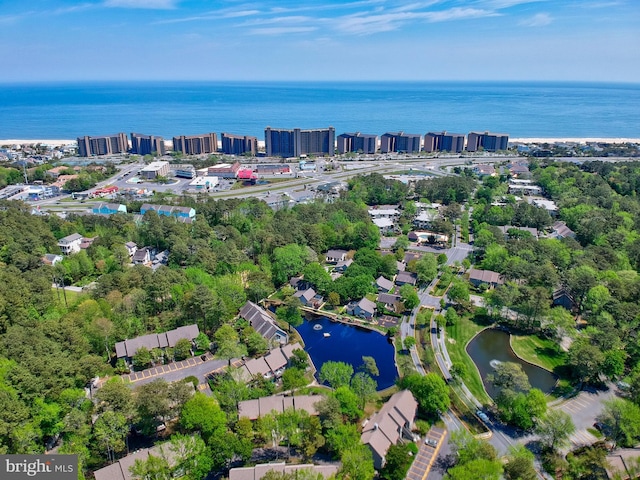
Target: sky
351,40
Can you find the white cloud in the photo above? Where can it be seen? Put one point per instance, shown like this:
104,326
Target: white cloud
538,20
148,4
281,30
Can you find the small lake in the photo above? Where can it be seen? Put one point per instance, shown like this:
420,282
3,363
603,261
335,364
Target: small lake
348,344
493,345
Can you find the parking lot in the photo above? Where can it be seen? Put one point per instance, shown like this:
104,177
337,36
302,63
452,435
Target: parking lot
429,448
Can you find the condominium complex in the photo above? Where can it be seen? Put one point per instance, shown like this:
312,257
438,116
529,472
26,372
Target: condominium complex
196,144
357,142
297,142
237,145
444,142
147,144
489,142
105,145
400,142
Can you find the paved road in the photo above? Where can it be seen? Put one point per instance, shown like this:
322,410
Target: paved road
427,455
176,371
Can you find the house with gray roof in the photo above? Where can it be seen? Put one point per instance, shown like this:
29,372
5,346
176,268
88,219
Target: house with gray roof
391,302
306,296
335,256
70,244
263,323
406,277
384,285
487,277
259,471
120,470
365,308
390,425
128,348
254,409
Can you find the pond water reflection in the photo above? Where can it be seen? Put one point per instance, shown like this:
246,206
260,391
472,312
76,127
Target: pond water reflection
491,346
348,344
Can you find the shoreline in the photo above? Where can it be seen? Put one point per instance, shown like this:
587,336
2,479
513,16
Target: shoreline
512,141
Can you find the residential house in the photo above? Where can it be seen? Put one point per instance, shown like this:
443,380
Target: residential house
560,231
51,259
299,283
518,170
562,298
159,259
427,237
86,242
409,256
259,471
263,323
390,425
425,218
142,256
391,302
120,470
109,209
385,225
306,297
271,365
365,308
127,348
484,170
404,278
181,213
506,228
485,277
254,409
384,285
70,244
335,256
549,205
342,265
131,247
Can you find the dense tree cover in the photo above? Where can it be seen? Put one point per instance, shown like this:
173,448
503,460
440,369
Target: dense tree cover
476,459
374,189
430,391
446,190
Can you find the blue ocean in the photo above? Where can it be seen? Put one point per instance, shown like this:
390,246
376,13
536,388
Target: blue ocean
69,110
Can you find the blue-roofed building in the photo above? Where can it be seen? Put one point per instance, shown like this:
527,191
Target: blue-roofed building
109,208
169,211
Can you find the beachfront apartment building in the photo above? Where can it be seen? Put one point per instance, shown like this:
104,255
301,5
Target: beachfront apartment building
444,142
297,142
238,145
357,142
400,142
104,145
196,144
489,142
147,144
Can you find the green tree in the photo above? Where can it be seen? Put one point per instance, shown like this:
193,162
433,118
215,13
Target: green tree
152,404
427,268
333,299
228,343
357,463
110,431
511,376
430,391
397,462
190,456
293,378
349,402
182,349
114,395
409,296
142,358
370,366
203,414
585,361
621,421
153,467
364,387
336,374
554,429
458,292
519,464
202,341
315,274
290,312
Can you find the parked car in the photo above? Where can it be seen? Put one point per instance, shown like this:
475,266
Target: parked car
482,416
431,442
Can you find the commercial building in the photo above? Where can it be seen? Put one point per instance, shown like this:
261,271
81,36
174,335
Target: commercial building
297,142
224,170
357,142
147,144
184,171
273,169
444,142
490,142
196,144
237,145
155,169
105,145
400,142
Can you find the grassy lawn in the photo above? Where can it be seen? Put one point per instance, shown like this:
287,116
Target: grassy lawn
440,288
457,337
539,351
72,297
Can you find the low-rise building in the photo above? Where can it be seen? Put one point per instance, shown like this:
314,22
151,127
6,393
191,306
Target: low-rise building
259,471
70,244
224,170
335,256
365,308
156,169
384,285
204,183
109,209
404,278
128,348
485,277
390,425
51,259
169,210
254,409
391,302
263,323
